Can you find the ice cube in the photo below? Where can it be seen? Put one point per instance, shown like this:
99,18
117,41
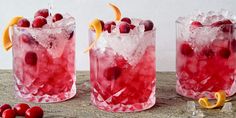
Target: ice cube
191,106
227,107
198,114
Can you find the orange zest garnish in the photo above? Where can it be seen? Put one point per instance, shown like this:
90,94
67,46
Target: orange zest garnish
220,100
117,11
7,44
97,26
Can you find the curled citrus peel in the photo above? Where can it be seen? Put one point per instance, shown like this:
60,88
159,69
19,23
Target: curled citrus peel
97,26
117,11
7,44
220,100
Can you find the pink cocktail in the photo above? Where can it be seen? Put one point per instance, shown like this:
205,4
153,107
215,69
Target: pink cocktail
122,64
206,55
44,59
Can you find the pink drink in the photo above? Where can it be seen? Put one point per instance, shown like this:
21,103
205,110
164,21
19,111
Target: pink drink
122,68
44,61
206,55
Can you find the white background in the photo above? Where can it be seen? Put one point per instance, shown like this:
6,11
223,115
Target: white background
162,12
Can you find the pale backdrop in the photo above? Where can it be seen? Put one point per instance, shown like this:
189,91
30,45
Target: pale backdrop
162,12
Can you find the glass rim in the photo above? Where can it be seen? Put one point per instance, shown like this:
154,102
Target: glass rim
203,25
125,34
41,28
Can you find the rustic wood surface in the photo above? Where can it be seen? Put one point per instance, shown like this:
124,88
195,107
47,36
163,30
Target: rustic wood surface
169,104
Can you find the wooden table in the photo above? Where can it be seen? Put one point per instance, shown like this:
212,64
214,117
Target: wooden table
169,104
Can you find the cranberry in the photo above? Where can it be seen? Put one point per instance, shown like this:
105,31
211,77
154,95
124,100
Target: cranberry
124,27
226,25
3,108
23,23
196,24
34,112
20,109
108,26
71,35
208,52
147,24
42,12
9,113
225,53
31,58
39,22
186,50
233,45
102,23
57,17
27,38
127,20
112,73
132,26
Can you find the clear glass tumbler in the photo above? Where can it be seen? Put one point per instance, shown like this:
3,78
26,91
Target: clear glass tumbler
123,70
205,55
44,62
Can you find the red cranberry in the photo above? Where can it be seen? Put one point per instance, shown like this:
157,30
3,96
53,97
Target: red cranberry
127,20
71,35
57,17
39,22
226,25
27,38
112,73
233,45
208,52
132,26
4,107
186,50
124,27
42,12
102,23
147,24
9,113
225,53
108,26
23,23
196,24
21,108
31,58
34,112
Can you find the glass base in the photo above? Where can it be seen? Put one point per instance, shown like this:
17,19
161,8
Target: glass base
47,98
103,105
209,94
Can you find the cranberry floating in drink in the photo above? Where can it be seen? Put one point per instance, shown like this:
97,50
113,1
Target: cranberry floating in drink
122,64
43,57
205,55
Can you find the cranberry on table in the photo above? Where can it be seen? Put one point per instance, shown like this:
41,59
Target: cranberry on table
127,20
186,50
57,17
21,108
124,27
148,25
34,112
23,23
108,26
42,12
39,22
4,107
9,113
31,58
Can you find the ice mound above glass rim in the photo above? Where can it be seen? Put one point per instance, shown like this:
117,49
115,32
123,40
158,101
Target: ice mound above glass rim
52,35
131,45
207,26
